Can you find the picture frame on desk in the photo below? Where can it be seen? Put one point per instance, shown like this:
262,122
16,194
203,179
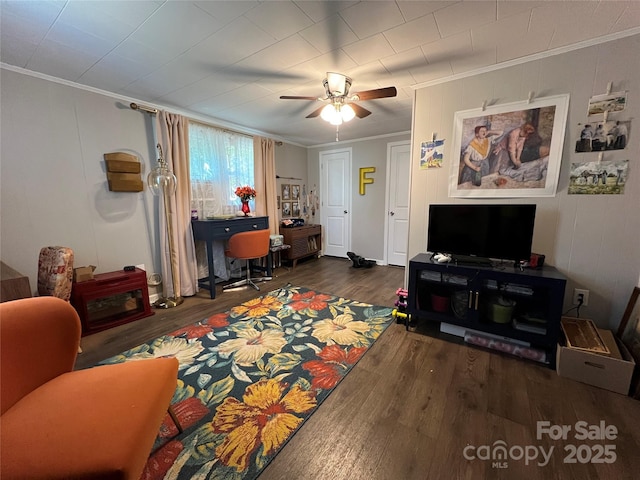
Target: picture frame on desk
509,150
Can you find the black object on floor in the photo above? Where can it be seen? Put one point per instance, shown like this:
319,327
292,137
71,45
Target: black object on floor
360,262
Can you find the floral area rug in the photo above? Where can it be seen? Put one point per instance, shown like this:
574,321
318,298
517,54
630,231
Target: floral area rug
250,377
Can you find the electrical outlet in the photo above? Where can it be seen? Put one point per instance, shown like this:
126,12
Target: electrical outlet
577,292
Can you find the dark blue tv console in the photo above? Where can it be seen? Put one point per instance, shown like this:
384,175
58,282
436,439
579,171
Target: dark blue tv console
465,297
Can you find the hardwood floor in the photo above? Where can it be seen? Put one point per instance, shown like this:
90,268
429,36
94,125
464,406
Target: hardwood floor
414,402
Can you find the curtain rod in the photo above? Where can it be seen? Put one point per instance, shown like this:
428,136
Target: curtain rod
135,106
222,129
153,111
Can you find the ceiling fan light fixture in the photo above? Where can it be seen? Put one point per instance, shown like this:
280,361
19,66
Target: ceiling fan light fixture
328,112
340,107
336,120
337,84
347,113
331,114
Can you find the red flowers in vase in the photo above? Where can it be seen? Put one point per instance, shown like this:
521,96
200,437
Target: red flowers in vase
245,193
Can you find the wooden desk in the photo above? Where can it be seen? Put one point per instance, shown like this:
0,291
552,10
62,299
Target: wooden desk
13,284
210,230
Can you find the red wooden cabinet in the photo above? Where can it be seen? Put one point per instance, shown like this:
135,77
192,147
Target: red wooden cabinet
111,299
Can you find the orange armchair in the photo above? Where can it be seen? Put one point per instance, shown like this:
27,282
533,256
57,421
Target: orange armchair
248,246
98,423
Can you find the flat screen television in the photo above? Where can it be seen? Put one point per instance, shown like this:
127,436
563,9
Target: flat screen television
485,231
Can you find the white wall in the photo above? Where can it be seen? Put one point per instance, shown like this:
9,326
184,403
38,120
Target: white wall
53,181
593,240
53,177
368,212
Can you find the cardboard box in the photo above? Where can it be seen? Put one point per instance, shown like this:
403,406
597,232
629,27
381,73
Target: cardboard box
611,372
82,274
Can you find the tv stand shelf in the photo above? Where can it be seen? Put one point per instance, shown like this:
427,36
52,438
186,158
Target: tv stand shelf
464,297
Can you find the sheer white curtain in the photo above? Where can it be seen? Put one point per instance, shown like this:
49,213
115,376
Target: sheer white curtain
220,161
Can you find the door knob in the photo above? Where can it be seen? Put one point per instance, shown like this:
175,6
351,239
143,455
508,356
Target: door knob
346,211
392,213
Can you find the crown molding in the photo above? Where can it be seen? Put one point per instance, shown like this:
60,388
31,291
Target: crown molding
531,58
216,122
365,139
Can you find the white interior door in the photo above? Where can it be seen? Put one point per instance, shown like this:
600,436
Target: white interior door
398,183
335,196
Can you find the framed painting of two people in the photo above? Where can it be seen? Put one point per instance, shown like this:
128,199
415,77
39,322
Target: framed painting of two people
509,150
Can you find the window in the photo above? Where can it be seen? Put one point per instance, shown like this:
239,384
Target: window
220,161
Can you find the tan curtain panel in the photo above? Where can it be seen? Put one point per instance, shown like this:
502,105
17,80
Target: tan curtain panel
172,131
265,180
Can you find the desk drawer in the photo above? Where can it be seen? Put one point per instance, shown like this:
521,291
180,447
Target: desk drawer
228,230
223,229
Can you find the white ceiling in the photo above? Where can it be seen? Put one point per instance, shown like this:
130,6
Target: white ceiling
231,60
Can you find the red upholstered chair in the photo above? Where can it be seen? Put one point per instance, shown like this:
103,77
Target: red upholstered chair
58,423
248,246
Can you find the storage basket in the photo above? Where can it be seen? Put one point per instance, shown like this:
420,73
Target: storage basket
439,303
501,309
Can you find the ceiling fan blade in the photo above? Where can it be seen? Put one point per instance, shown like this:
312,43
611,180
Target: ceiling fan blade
361,112
293,97
376,93
315,113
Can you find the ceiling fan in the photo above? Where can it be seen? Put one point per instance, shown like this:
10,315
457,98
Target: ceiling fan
341,106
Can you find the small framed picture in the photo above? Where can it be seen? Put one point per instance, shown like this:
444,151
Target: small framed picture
611,102
295,192
295,209
601,136
286,209
286,191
